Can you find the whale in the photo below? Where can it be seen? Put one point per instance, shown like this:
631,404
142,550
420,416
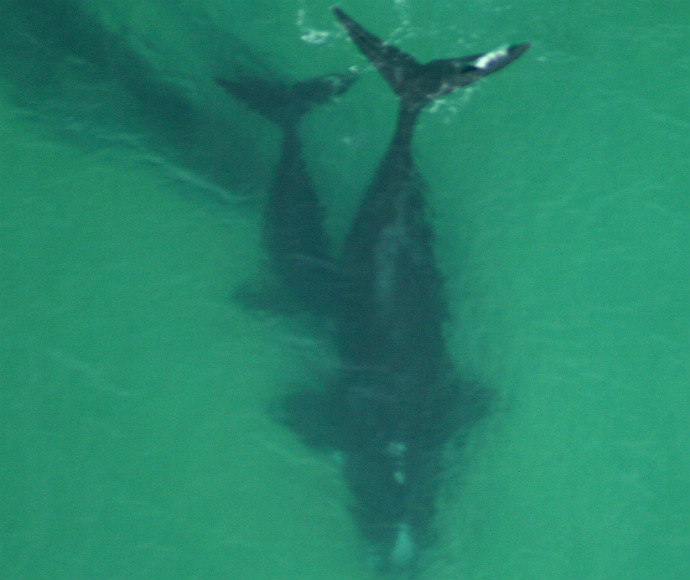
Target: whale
404,400
294,237
397,399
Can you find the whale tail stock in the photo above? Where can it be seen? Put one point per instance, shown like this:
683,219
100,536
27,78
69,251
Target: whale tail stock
418,84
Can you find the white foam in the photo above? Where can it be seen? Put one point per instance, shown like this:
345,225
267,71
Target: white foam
309,34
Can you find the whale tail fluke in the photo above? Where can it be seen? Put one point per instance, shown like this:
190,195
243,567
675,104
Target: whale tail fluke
285,104
418,84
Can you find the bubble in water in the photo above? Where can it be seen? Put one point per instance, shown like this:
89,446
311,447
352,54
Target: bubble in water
309,34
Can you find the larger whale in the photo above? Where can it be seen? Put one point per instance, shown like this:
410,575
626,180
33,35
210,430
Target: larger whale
398,398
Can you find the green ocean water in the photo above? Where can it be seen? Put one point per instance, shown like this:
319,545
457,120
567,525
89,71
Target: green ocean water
134,433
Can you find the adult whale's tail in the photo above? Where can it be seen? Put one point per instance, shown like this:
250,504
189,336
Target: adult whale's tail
283,103
418,84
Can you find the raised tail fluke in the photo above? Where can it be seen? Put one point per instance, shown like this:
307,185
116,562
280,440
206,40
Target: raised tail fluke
283,103
417,84
393,64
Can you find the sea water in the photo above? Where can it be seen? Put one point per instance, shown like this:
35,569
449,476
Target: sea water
135,429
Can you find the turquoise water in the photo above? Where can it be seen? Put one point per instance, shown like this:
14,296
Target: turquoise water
134,430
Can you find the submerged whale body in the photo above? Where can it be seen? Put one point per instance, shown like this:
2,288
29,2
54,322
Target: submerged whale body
294,236
398,399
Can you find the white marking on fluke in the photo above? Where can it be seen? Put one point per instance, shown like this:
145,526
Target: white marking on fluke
486,60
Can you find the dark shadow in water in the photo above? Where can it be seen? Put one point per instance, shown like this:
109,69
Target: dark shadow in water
59,62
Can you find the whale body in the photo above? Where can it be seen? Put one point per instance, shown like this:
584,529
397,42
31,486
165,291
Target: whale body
398,398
